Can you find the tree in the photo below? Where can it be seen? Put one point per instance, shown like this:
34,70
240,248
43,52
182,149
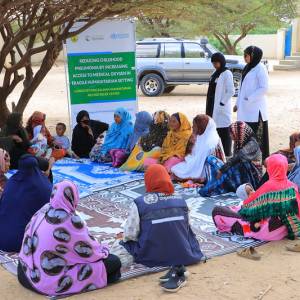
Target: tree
29,27
242,17
172,19
154,27
221,19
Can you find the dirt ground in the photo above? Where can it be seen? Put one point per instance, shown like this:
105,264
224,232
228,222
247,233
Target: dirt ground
276,276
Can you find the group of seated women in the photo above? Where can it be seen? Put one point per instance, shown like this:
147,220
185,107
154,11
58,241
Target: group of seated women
35,139
190,153
58,255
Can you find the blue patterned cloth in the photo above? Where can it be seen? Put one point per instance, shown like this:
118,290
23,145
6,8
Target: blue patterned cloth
236,175
91,177
294,176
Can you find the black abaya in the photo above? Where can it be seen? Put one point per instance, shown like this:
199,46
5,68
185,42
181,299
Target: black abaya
82,141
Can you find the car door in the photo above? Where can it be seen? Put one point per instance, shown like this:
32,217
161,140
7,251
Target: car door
197,67
171,61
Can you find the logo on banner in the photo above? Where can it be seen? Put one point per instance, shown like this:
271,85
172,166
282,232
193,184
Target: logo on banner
119,36
98,37
74,39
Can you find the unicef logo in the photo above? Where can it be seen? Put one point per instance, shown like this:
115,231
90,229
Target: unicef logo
150,198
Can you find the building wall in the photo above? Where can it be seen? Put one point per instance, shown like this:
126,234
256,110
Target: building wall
271,44
296,35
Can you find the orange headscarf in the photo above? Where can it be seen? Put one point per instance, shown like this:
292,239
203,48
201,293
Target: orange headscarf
176,141
157,180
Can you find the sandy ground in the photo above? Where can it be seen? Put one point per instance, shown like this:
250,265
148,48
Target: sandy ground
223,278
227,277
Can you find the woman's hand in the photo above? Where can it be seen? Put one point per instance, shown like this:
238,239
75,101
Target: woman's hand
16,138
235,108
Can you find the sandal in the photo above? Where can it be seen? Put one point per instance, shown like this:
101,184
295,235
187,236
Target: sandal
293,248
250,253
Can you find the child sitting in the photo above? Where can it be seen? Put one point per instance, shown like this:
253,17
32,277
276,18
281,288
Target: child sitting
39,145
61,141
244,191
97,147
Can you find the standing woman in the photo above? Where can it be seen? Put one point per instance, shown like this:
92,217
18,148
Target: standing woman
218,102
251,104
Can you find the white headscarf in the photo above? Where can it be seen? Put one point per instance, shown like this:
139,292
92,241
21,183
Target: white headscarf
241,192
38,137
205,145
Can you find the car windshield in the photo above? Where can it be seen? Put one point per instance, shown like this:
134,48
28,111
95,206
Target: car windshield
211,48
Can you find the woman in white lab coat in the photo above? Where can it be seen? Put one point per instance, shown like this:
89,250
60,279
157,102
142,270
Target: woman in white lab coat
251,104
218,103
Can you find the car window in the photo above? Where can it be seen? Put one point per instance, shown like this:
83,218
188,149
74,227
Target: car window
193,50
146,50
212,49
171,50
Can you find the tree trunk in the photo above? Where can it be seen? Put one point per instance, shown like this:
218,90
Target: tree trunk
46,66
4,112
231,50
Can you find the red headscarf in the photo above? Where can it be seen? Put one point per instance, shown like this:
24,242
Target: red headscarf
38,118
277,167
157,180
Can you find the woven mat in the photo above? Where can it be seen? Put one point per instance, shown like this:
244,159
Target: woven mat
106,210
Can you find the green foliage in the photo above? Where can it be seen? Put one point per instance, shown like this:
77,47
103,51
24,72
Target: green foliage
220,19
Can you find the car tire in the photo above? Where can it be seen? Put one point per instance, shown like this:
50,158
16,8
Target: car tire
237,78
152,85
169,89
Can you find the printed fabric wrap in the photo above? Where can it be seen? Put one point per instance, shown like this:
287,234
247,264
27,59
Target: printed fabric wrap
59,256
282,204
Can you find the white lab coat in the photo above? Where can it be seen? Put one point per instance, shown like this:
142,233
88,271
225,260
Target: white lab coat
224,92
252,96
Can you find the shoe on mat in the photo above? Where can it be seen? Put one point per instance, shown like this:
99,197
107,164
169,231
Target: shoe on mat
174,270
175,283
294,247
250,253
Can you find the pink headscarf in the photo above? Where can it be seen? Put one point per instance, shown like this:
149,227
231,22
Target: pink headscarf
58,254
3,155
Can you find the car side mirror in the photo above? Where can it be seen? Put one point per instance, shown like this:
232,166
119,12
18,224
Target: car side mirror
206,55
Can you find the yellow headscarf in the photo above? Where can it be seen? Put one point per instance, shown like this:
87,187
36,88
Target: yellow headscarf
176,141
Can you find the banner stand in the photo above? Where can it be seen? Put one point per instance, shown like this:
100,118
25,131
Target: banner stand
100,70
